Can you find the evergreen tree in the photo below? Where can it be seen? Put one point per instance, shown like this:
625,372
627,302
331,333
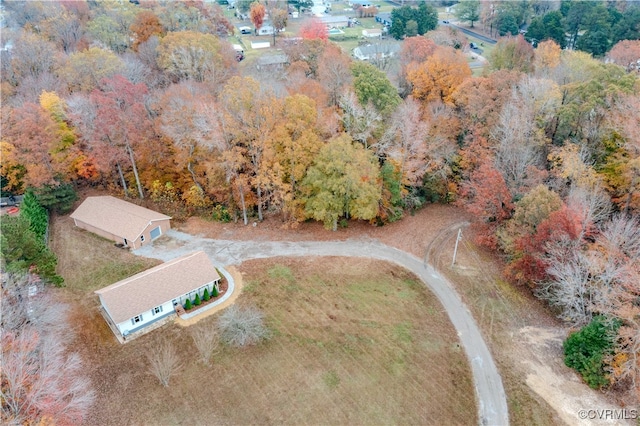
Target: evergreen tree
34,213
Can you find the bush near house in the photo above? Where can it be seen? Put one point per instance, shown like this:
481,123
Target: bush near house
206,295
197,300
187,305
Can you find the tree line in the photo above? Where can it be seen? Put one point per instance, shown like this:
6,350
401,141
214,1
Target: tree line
543,149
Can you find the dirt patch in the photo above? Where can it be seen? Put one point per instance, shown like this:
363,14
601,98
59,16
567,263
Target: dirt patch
412,234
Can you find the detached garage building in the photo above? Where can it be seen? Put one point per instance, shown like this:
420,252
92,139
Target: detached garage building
120,221
145,298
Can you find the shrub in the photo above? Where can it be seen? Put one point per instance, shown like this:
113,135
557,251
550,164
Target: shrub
205,295
586,350
214,292
242,326
197,300
187,305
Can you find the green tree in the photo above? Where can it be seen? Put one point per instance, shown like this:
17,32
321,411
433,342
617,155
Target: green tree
301,4
468,10
344,181
508,25
586,350
58,198
426,17
547,27
105,29
372,85
34,213
411,28
22,251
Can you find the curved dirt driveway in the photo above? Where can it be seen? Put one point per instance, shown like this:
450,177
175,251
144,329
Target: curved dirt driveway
490,395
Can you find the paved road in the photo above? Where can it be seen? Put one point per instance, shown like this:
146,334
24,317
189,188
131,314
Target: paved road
491,399
485,39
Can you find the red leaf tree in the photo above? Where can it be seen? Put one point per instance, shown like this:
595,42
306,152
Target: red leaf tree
314,29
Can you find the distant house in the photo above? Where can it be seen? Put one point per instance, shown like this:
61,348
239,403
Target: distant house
384,18
145,298
268,29
372,33
120,221
376,51
272,62
339,21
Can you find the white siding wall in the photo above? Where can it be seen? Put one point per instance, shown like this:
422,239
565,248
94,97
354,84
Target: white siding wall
147,317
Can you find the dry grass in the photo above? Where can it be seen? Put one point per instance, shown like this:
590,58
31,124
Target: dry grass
501,310
354,342
88,262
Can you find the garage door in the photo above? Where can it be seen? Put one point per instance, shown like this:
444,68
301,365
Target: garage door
155,233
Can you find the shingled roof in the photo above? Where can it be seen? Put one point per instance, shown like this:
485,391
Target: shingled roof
153,287
118,217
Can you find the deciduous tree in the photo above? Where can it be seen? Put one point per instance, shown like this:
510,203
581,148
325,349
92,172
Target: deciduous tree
343,181
41,380
437,78
188,55
256,14
314,29
512,53
84,70
626,53
163,362
468,10
121,124
146,25
372,85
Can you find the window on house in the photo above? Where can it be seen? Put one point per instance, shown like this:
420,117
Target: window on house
136,319
157,310
142,238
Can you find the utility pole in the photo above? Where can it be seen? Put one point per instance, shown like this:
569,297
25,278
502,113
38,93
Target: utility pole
455,250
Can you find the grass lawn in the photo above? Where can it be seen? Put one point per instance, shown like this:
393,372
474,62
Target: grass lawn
88,262
354,342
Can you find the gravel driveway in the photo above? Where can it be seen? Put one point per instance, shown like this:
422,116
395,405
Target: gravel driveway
491,398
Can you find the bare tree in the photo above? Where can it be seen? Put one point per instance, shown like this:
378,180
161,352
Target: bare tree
40,379
570,287
207,342
405,141
358,121
242,326
164,363
592,205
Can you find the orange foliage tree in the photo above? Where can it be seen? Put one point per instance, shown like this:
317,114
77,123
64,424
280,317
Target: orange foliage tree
256,14
437,78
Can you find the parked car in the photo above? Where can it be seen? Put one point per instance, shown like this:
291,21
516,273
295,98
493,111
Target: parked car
245,30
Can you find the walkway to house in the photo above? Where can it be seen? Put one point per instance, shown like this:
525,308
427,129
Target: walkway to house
234,278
